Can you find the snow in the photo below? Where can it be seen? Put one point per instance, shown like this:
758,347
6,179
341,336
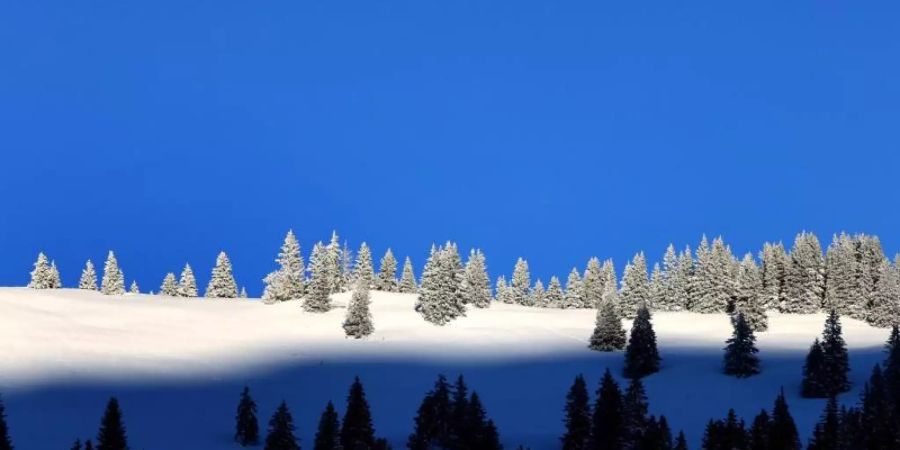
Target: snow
179,364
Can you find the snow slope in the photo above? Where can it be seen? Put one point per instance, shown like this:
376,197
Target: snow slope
179,364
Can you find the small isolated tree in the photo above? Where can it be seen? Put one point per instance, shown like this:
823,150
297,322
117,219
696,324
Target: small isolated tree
358,323
363,269
246,426
476,285
221,283
5,441
113,282
319,289
88,279
609,335
578,417
740,352
521,282
112,430
641,355
387,273
42,275
169,286
408,278
134,289
328,435
187,286
357,431
243,293
281,430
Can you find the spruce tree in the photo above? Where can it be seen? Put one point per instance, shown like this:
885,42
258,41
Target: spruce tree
357,431
318,291
610,284
680,442
288,281
657,292
826,434
221,282
870,258
592,284
458,435
783,430
635,292
169,286
892,366
703,297
759,432
672,282
740,350
76,445
574,297
328,435
336,263
432,422
536,297
187,286
836,364
773,274
504,293
685,286
608,335
281,430
5,441
440,295
243,293
805,276
748,295
408,279
55,279
479,432
842,292
364,268
113,282
88,445
520,283
358,323
554,296
112,430
578,417
246,425
884,309
387,272
42,275
88,279
476,285
607,425
134,289
641,355
814,384
728,434
634,414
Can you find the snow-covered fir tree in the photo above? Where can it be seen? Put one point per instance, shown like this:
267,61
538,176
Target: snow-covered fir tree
334,262
521,282
885,306
554,297
221,282
476,284
169,286
42,275
88,279
841,290
358,323
870,257
669,280
502,292
55,279
574,297
387,272
440,294
610,283
805,276
725,270
134,289
187,286
363,269
243,293
318,290
113,282
536,296
408,278
608,335
773,273
346,269
683,286
704,294
592,284
749,293
657,289
288,281
635,287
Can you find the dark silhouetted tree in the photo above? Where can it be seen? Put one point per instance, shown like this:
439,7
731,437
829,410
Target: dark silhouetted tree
5,441
783,430
357,432
607,427
740,352
578,417
112,430
281,430
641,355
246,427
328,436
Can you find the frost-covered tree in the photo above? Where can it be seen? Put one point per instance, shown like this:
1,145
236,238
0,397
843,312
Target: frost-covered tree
608,335
476,285
592,284
387,272
885,306
574,297
773,273
842,292
358,323
657,289
187,286
335,261
42,275
870,257
714,280
363,269
635,287
641,355
134,289
704,294
287,282
221,282
243,293
669,283
805,276
320,283
169,286
113,282
521,282
610,284
740,350
747,300
554,296
684,284
55,279
440,295
502,291
725,267
536,297
408,278
88,279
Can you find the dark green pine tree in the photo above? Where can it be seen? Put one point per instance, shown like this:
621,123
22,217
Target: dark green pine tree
432,422
5,441
813,384
641,356
878,414
657,435
88,445
728,434
837,362
826,433
680,442
281,430
607,427
112,431
246,427
609,335
851,432
328,435
479,432
783,430
460,434
740,350
634,413
76,445
578,417
759,432
357,432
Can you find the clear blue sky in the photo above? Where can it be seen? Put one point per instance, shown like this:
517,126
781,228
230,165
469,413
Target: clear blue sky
169,130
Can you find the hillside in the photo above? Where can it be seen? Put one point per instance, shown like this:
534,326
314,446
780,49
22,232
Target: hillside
64,352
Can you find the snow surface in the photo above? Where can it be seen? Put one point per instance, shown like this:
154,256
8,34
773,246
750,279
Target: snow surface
177,366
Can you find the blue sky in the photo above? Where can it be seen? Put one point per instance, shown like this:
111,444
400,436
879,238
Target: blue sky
550,130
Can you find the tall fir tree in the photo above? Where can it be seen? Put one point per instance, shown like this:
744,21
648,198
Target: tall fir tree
169,286
357,431
42,275
841,290
387,272
476,285
187,285
740,350
608,335
607,424
869,257
281,430
408,278
657,292
221,282
358,323
335,261
680,442
805,276
432,422
634,414
440,295
246,425
748,298
592,284
88,279
610,284
703,298
554,296
5,440
521,282
672,282
577,417
635,291
641,355
328,435
783,431
478,431
814,383
836,364
288,281
536,296
318,291
364,268
773,273
759,432
113,282
112,434
884,306
574,297
826,434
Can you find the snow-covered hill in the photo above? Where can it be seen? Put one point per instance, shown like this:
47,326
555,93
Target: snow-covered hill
178,365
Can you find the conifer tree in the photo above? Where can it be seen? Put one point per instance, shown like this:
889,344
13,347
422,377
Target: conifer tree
607,425
408,279
88,279
773,273
288,281
246,425
55,279
345,275
478,431
574,297
892,365
520,283
884,309
358,323
878,415
783,430
634,414
740,350
504,293
476,285
578,417
112,430
440,296
635,291
836,364
5,441
748,295
759,432
728,434
592,284
703,297
657,291
554,296
609,335
826,434
169,286
243,293
805,276
318,292
814,384
725,269
680,442
328,435
75,446
134,289
671,282
432,422
113,282
459,411
842,292
610,284
187,286
221,283
870,257
364,269
357,431
685,284
641,355
281,430
387,272
536,297
41,276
